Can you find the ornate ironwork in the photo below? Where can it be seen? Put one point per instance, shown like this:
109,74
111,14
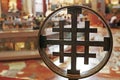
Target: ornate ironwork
73,73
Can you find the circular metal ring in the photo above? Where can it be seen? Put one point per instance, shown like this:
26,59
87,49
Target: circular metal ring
62,72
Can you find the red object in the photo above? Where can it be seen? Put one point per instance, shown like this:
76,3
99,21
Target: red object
44,6
19,4
99,5
3,67
35,68
5,78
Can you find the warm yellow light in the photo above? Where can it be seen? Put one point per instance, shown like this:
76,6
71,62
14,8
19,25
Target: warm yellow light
107,1
87,1
68,1
114,1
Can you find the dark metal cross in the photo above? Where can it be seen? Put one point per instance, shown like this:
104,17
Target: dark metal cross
86,43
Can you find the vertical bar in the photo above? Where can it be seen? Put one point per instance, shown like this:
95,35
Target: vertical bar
87,31
74,39
74,13
61,37
42,40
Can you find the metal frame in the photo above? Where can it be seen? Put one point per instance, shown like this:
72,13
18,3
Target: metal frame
74,74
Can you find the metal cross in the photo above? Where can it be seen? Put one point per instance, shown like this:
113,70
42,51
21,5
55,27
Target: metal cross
86,43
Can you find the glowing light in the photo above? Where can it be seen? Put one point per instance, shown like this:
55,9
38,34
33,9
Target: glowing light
114,1
87,1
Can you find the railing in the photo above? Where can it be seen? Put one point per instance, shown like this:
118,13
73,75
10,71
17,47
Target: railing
18,44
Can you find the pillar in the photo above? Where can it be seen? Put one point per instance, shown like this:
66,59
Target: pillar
0,9
24,5
27,6
44,6
33,8
19,5
94,4
102,5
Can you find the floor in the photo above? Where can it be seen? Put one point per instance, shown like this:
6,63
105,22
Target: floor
36,70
